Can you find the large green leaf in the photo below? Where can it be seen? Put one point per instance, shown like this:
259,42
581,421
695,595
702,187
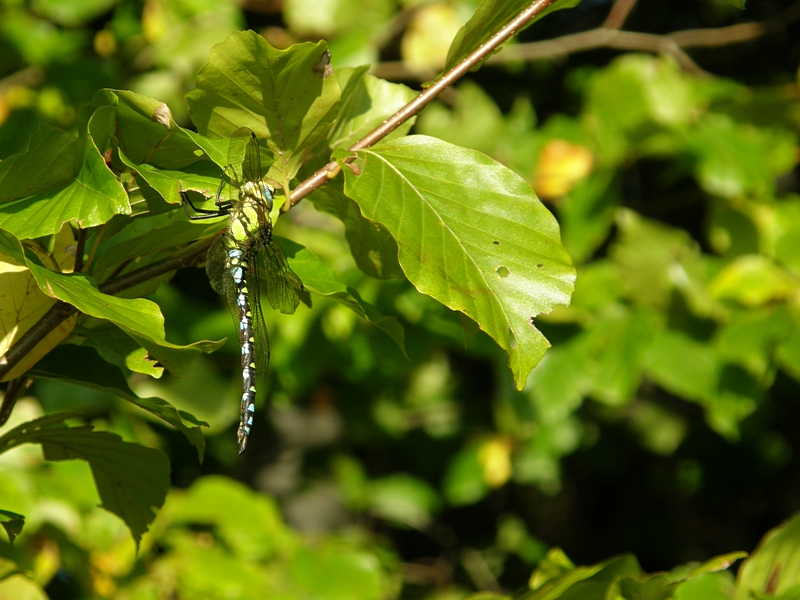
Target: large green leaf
562,580
695,371
318,278
471,234
164,155
131,479
276,93
737,160
489,18
372,246
147,235
59,179
83,366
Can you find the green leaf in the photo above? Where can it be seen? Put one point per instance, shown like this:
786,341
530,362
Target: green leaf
708,586
774,567
71,13
82,366
403,499
7,567
12,523
788,353
753,280
735,160
318,278
463,482
336,572
750,337
276,93
489,18
586,583
587,213
372,246
555,564
147,235
167,157
19,587
220,501
618,341
471,234
138,317
694,371
647,254
787,231
131,479
77,186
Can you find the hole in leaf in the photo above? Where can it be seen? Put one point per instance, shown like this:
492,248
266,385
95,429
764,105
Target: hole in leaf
503,272
496,243
539,265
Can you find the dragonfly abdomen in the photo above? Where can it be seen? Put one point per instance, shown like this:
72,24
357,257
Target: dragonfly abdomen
238,266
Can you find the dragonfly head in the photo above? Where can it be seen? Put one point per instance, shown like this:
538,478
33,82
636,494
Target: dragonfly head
259,192
267,192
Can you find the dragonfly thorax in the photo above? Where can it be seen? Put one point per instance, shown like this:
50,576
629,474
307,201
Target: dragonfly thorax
250,220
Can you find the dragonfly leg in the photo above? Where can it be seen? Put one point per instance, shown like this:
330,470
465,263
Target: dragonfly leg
203,213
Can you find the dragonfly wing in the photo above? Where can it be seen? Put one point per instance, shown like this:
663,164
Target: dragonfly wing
238,148
251,165
284,288
260,335
215,267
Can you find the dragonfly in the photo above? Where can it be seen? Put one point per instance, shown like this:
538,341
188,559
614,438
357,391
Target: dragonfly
233,262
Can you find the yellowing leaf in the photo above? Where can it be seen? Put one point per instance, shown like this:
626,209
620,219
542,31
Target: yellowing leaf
22,304
495,459
562,164
428,36
753,280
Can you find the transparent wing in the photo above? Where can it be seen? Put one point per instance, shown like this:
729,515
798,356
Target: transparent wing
284,288
251,165
244,156
215,267
260,335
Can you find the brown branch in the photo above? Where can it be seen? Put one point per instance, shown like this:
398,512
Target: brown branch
619,12
597,38
61,311
16,388
417,104
672,44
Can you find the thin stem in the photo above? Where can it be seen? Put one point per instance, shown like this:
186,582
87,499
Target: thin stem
619,12
417,104
16,388
80,245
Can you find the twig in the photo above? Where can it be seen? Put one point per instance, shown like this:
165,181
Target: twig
610,36
619,12
16,388
80,244
598,38
417,104
673,43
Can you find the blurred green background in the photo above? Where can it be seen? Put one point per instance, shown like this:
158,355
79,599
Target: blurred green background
663,421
